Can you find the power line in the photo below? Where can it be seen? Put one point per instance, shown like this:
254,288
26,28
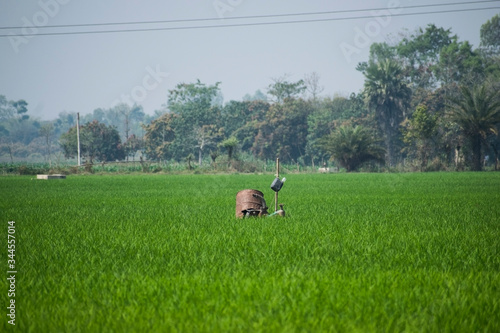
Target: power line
241,24
251,17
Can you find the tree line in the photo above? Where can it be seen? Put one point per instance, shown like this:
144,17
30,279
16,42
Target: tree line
429,102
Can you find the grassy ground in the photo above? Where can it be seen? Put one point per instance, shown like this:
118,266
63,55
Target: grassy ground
162,253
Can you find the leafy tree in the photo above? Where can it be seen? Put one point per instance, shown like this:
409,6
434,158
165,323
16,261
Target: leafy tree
459,64
353,146
490,50
283,134
379,52
194,104
425,45
342,109
387,95
159,137
282,89
97,142
490,33
235,114
419,131
420,54
251,120
477,112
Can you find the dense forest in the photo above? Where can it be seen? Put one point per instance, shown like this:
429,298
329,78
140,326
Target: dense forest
429,102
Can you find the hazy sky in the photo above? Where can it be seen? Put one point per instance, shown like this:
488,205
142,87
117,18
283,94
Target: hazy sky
82,72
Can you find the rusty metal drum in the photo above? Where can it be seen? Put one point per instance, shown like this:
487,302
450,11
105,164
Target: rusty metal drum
249,200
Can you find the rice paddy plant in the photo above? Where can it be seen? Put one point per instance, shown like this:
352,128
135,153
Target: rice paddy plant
356,252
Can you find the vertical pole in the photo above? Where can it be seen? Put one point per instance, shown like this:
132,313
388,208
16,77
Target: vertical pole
277,175
78,136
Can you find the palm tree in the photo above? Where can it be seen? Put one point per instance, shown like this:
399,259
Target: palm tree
388,96
477,113
353,146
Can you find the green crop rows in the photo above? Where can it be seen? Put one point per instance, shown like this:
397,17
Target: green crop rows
164,253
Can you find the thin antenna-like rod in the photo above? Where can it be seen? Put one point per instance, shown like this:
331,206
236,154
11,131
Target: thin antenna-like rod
277,176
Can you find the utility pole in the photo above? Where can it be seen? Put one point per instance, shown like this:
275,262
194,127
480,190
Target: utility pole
78,136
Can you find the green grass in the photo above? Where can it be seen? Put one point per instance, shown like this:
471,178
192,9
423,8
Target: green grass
164,253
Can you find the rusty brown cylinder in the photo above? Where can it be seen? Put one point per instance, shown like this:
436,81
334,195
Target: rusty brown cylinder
245,200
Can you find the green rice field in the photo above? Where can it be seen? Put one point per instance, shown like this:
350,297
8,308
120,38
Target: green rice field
164,253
